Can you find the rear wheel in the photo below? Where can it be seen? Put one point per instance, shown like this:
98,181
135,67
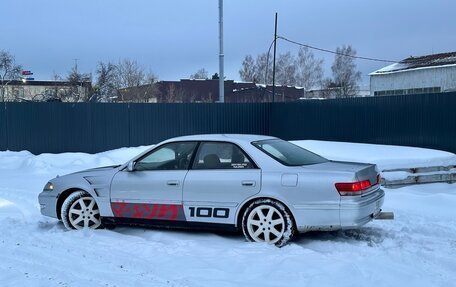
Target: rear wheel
80,210
266,220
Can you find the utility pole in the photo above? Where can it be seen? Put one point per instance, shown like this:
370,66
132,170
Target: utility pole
274,61
221,72
76,64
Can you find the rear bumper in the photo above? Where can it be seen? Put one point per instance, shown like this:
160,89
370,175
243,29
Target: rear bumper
48,202
357,211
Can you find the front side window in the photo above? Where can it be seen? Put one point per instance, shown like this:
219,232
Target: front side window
221,155
288,153
172,156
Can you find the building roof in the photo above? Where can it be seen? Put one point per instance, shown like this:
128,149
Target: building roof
422,62
207,91
43,83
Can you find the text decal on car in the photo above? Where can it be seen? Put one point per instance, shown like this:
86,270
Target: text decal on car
148,211
209,212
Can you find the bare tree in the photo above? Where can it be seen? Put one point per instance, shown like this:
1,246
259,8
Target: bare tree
106,86
248,72
78,91
173,94
151,91
201,74
56,93
260,70
132,78
286,70
309,71
345,75
263,66
151,78
129,74
8,71
330,90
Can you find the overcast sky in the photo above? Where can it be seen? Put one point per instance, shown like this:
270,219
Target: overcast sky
174,38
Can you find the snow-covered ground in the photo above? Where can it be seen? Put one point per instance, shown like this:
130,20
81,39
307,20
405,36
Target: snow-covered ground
418,248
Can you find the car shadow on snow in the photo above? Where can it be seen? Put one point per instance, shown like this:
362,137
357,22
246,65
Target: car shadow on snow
370,236
149,232
48,225
159,233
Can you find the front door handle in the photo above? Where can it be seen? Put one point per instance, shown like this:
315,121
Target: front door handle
248,183
172,182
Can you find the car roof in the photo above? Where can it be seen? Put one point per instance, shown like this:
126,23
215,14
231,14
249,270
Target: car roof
222,137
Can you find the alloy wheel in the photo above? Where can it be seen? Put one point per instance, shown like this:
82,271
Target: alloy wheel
265,224
84,213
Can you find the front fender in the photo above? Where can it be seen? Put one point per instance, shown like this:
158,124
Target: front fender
97,186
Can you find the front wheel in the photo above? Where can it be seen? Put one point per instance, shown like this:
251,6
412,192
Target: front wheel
79,210
266,220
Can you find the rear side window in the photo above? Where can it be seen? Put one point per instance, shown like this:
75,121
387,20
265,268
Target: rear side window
221,155
288,153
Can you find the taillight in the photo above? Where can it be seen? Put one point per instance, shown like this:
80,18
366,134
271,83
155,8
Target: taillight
352,188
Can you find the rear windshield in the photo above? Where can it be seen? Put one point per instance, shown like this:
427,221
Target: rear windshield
288,153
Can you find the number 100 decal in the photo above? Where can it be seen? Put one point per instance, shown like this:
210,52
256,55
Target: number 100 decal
209,212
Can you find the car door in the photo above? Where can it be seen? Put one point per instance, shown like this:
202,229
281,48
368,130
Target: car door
222,176
153,188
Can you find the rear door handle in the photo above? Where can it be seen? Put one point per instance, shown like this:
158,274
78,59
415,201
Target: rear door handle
172,182
248,183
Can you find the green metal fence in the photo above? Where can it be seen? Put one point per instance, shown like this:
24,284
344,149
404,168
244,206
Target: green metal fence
427,120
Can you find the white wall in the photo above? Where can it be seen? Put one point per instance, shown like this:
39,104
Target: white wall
37,93
443,77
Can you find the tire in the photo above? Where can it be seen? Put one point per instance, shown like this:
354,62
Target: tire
266,220
80,210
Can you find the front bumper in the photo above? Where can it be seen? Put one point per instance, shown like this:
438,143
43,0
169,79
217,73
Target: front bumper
48,203
357,211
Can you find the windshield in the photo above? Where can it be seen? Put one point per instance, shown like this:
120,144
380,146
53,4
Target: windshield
288,153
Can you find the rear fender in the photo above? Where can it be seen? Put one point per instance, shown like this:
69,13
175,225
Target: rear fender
243,206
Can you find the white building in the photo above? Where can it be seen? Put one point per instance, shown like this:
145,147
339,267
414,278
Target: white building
332,93
416,75
17,90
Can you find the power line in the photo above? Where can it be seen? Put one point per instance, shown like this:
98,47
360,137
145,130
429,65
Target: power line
334,52
267,62
267,67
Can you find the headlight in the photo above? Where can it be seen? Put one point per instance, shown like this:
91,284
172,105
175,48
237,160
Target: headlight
48,187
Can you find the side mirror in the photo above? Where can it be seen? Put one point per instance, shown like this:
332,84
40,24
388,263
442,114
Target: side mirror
131,166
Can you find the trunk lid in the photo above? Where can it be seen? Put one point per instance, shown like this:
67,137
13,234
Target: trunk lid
359,171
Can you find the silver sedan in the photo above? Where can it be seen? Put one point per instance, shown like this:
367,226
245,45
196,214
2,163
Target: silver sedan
266,187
